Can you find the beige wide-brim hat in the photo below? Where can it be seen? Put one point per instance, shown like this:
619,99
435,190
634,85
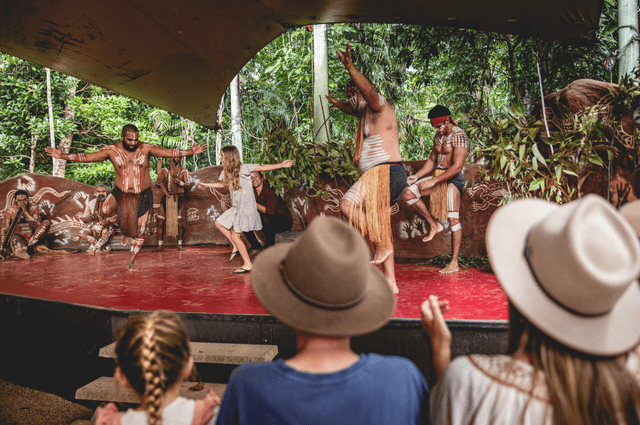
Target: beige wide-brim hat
323,283
570,270
631,211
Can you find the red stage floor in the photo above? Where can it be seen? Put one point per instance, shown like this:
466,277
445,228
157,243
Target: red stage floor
200,280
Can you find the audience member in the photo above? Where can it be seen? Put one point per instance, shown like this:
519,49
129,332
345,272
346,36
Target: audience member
323,287
570,275
153,358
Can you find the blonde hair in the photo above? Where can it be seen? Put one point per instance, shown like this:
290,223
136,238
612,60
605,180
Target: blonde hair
231,167
583,389
152,352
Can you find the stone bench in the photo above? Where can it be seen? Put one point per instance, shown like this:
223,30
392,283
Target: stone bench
108,389
217,352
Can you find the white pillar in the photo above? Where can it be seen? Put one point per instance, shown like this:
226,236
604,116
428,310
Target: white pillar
627,18
320,83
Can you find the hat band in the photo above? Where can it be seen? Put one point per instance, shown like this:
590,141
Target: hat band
316,303
527,254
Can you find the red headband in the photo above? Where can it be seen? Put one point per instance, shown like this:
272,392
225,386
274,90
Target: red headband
439,120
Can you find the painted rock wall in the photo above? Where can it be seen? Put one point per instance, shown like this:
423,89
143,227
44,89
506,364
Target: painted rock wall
62,201
565,107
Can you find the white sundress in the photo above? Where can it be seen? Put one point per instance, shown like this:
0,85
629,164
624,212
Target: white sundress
243,215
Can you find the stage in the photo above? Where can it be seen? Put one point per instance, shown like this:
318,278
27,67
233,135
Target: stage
200,280
57,311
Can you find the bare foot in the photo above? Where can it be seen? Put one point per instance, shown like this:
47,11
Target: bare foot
125,240
91,252
22,254
132,267
381,255
160,248
451,268
180,248
433,232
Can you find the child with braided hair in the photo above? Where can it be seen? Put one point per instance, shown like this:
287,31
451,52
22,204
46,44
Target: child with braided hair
153,358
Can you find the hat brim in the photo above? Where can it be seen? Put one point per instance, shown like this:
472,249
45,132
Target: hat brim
611,334
371,314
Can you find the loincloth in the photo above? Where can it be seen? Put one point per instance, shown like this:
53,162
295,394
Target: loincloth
132,206
373,194
439,196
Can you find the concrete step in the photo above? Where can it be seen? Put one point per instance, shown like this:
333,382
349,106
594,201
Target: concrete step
217,352
108,389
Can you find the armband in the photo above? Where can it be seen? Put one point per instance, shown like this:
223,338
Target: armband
181,183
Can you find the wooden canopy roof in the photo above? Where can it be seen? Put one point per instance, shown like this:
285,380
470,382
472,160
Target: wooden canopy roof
180,55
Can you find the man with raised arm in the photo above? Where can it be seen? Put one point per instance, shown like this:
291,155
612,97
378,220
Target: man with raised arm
442,179
134,197
368,202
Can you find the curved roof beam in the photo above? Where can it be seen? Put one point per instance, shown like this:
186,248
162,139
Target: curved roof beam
181,55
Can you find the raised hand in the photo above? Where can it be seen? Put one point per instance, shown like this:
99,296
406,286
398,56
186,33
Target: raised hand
333,100
345,58
433,321
288,163
53,152
198,149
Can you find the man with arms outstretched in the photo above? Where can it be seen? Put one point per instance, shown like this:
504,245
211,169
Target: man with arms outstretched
368,202
134,197
443,170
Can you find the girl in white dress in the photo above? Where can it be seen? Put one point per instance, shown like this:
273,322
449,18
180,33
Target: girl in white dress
243,215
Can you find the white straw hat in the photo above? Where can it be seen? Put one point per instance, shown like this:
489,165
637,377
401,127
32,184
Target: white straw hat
571,270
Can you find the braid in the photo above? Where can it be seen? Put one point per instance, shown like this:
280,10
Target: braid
153,390
152,352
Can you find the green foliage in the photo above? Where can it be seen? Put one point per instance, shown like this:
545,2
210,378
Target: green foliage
332,160
475,74
511,149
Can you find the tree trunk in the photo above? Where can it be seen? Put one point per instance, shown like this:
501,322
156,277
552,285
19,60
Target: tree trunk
236,115
512,68
65,143
58,168
219,131
34,141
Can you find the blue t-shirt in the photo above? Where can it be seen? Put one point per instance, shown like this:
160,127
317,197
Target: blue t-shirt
375,390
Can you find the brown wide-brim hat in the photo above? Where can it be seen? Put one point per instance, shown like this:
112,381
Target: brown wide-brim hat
571,270
323,283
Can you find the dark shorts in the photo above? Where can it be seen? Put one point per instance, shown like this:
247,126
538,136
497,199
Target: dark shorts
398,181
458,182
